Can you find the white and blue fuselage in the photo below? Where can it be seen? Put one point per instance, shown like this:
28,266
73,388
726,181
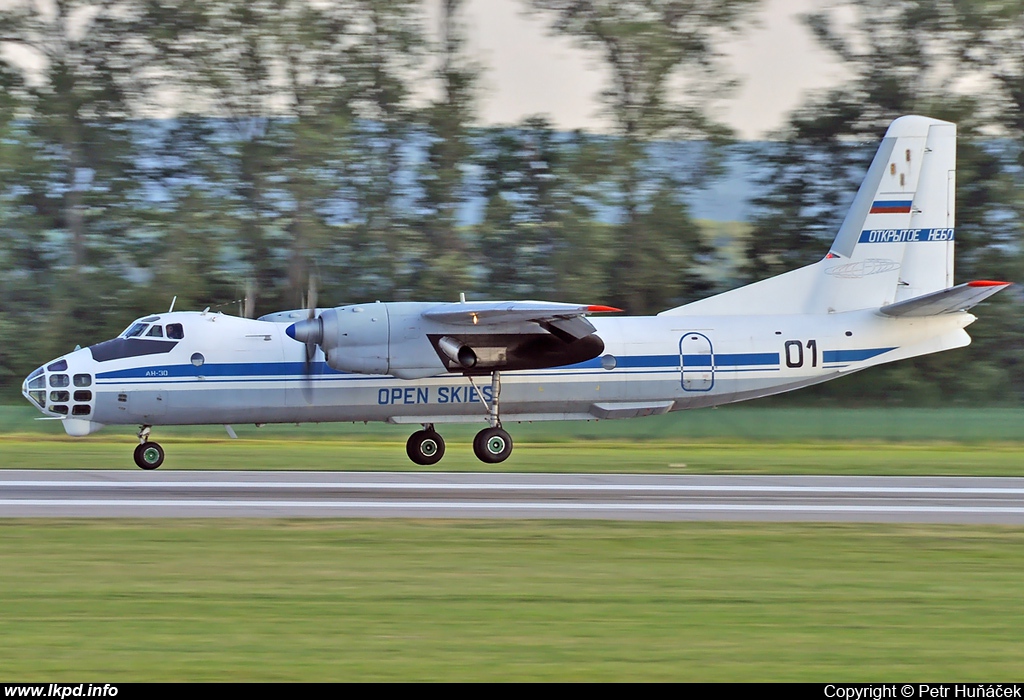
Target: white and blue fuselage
224,369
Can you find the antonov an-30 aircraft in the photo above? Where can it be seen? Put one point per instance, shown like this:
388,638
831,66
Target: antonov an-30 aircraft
884,292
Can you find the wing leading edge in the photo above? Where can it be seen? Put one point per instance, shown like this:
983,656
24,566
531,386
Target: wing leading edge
565,321
487,313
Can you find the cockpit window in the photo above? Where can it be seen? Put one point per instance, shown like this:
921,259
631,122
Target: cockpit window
134,331
175,331
155,332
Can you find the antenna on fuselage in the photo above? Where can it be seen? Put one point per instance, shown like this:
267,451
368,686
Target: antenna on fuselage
172,303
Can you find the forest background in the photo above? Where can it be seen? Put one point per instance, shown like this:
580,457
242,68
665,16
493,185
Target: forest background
207,149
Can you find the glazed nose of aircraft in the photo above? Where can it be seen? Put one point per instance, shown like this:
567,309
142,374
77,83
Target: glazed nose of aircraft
34,388
62,388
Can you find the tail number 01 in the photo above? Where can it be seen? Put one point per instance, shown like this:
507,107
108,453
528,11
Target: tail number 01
795,353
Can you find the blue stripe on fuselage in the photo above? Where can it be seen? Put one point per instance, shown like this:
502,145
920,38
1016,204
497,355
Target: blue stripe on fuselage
285,370
672,361
852,355
226,369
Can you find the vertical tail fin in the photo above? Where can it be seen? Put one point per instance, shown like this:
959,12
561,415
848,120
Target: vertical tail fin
897,239
896,242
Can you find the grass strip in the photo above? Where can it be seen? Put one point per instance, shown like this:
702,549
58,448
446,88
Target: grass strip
118,601
700,457
758,422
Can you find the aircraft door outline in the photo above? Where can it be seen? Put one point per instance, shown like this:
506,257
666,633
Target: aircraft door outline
696,362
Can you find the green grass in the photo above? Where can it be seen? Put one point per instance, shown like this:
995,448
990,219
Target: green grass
323,600
107,601
609,457
759,422
731,440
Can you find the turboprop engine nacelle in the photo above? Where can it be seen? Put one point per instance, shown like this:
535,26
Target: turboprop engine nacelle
378,338
398,338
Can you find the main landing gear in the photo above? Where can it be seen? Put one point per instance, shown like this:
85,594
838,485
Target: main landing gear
425,446
491,445
148,455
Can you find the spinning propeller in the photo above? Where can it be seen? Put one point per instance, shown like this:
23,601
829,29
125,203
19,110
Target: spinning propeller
311,333
249,300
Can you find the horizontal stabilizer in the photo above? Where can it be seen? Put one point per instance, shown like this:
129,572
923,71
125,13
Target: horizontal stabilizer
946,301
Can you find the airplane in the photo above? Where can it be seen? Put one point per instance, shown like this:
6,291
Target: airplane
884,292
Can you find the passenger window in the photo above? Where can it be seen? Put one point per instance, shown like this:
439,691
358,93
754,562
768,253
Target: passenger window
155,332
83,379
175,331
59,380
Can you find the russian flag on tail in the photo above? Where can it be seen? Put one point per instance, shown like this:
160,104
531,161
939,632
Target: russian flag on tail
891,207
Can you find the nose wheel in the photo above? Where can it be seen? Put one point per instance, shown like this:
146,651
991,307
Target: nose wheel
148,455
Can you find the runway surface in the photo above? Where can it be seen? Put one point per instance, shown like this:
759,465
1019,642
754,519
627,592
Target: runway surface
220,494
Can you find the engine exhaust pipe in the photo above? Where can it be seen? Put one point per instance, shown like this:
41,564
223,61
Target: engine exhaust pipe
458,352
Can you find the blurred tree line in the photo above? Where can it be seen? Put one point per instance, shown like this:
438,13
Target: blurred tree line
200,148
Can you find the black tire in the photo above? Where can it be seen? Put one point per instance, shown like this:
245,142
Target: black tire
425,447
149,455
492,445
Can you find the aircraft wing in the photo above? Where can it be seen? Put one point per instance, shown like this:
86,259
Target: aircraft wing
566,318
946,301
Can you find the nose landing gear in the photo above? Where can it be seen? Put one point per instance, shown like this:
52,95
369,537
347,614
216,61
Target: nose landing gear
148,455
